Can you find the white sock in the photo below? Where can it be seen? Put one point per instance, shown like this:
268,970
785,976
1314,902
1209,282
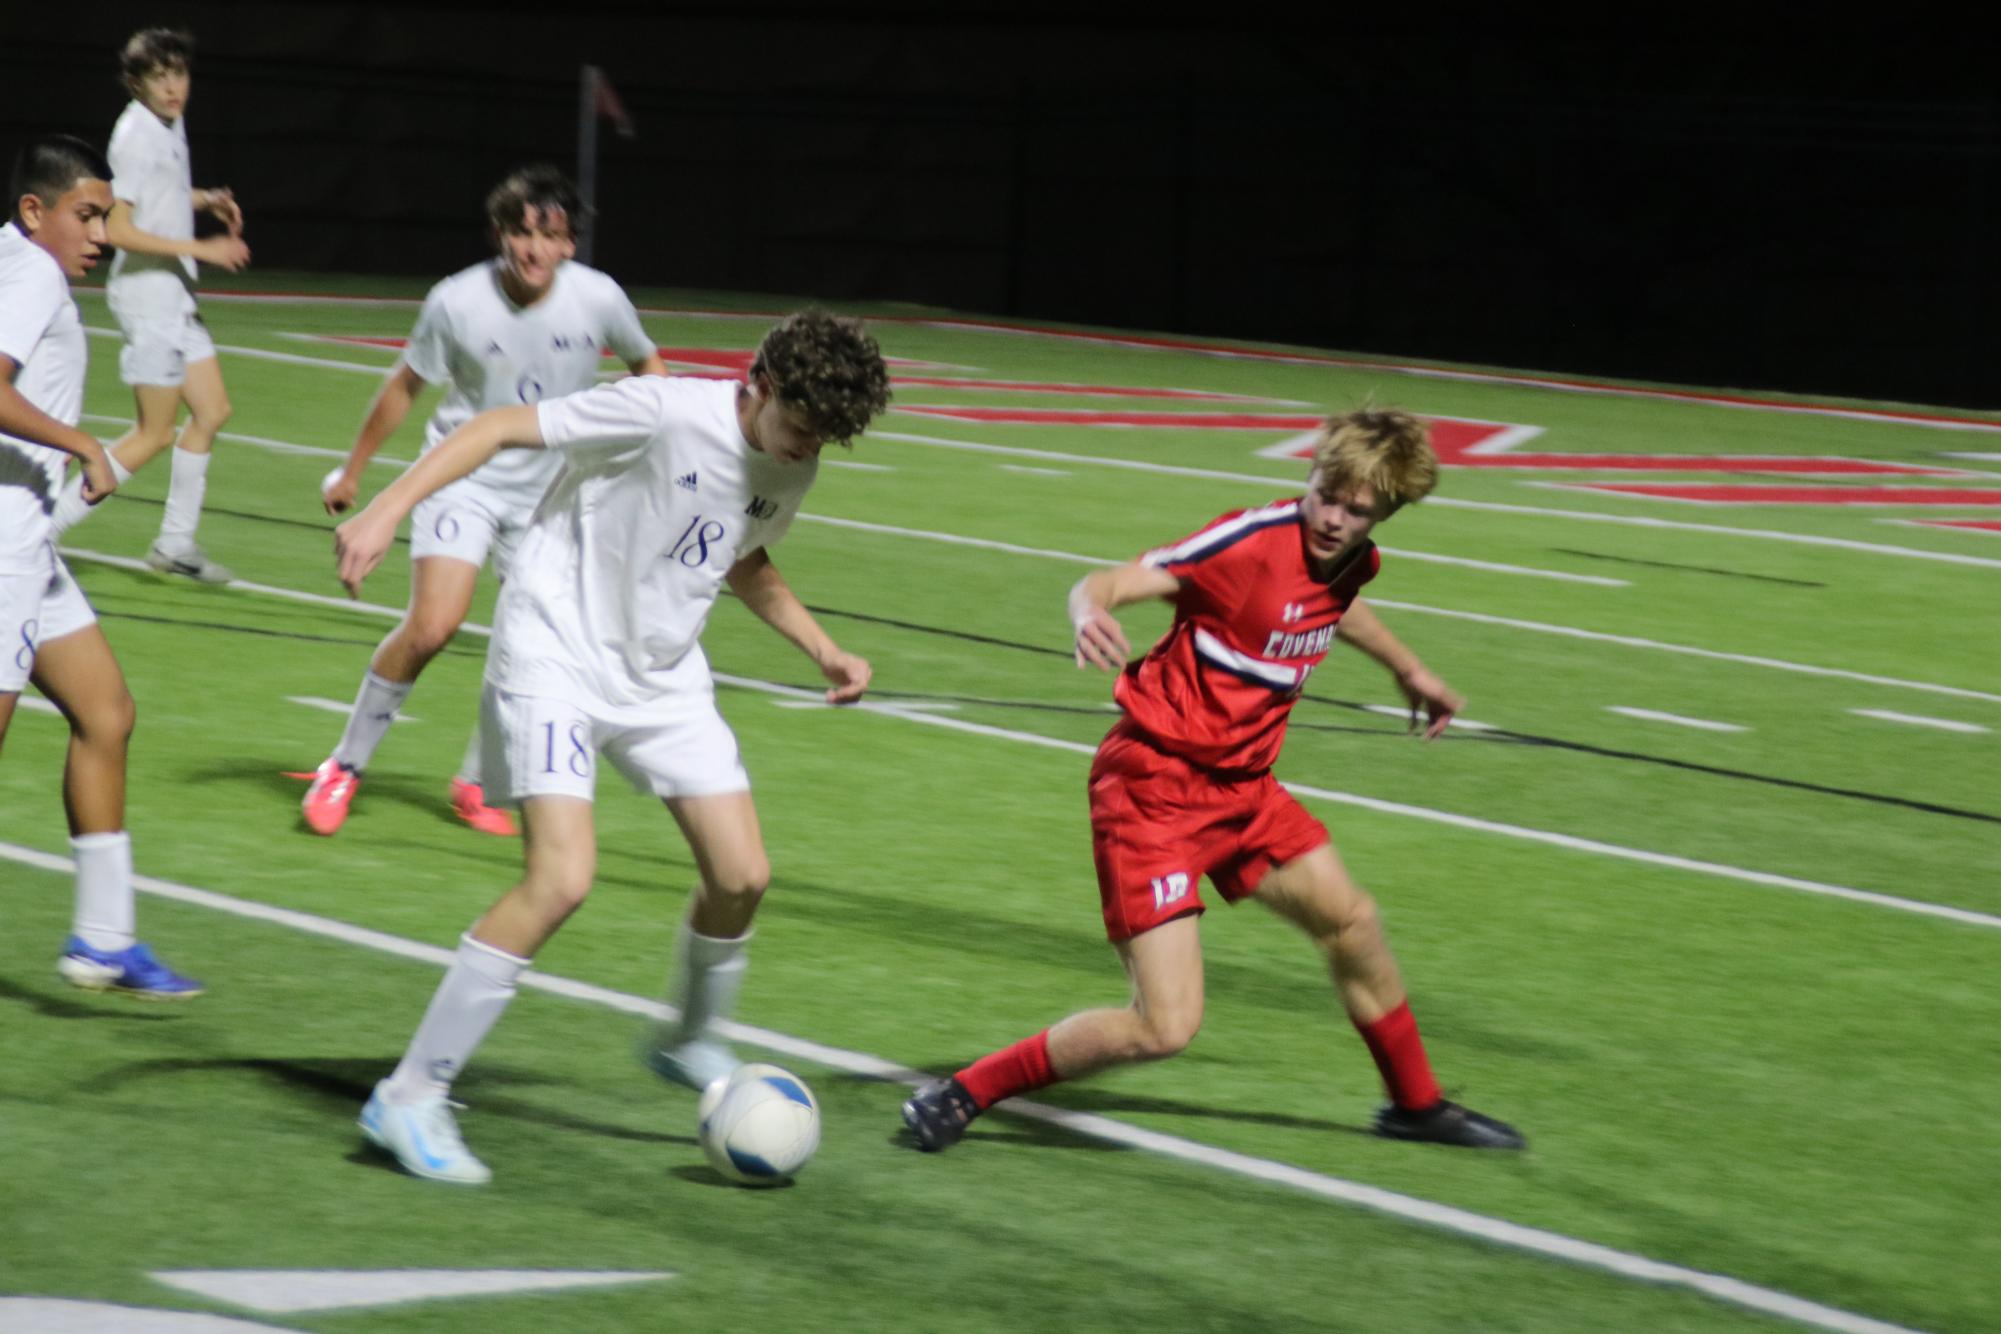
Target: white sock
708,970
374,710
469,770
185,488
476,989
71,508
104,910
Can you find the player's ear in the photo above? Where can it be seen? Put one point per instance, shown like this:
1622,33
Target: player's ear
30,211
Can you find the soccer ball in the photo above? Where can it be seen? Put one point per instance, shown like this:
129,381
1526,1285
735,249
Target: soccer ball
760,1125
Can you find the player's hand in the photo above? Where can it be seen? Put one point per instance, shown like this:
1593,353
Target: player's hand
850,675
1424,690
1101,641
221,202
225,252
359,546
98,479
337,492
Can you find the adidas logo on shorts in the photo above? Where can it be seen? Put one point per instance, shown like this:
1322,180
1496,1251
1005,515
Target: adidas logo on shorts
687,481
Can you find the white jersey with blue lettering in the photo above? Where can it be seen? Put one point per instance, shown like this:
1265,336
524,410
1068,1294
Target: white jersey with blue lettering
150,171
659,496
41,333
496,354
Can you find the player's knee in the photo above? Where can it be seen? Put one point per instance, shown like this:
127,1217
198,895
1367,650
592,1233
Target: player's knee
426,636
214,413
743,884
108,721
1162,1036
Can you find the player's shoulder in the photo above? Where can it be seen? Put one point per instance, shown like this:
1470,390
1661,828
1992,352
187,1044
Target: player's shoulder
30,272
137,127
1233,531
470,281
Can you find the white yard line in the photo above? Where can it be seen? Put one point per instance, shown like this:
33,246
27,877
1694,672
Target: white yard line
263,442
1567,841
1429,1213
1653,716
1918,720
335,706
36,704
261,354
1403,715
1295,483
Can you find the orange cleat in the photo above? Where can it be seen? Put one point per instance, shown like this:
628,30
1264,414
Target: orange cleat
469,804
326,802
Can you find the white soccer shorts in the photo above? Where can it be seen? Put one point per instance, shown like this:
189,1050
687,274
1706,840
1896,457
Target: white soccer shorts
37,607
164,335
465,521
539,747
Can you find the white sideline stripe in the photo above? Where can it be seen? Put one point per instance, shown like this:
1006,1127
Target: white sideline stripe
1917,720
1448,502
36,704
855,466
1973,458
1652,716
335,706
990,544
264,442
1442,1216
1033,472
1661,646
1403,715
289,1291
262,354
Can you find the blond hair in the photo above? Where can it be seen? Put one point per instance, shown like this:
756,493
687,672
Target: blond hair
1385,449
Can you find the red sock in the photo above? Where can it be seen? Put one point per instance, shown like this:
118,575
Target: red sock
1022,1068
1399,1054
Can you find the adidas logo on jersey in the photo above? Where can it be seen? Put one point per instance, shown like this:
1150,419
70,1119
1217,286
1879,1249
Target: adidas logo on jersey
687,480
493,349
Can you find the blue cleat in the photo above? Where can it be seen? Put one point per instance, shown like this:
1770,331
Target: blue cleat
129,972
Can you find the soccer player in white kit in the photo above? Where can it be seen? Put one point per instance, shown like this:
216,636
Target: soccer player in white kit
168,356
670,489
527,325
61,194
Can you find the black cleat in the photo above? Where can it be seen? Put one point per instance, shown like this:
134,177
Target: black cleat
939,1113
1447,1123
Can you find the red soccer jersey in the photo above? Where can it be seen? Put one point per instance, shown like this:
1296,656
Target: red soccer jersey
1250,624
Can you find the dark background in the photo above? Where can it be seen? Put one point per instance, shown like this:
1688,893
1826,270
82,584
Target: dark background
1806,209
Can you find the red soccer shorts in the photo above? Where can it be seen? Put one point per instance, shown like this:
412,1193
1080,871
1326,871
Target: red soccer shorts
1159,824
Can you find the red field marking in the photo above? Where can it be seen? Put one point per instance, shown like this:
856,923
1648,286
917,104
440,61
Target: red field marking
1720,493
1971,525
735,361
1568,384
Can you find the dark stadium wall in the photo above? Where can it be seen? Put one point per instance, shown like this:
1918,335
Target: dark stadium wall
1802,210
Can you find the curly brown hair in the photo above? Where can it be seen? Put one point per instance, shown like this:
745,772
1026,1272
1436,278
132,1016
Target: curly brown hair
1385,448
828,368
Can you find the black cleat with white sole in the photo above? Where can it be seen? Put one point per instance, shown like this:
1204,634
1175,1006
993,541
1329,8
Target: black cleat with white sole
1448,1123
939,1113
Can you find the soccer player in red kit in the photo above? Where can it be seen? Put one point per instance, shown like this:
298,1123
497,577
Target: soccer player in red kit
1182,786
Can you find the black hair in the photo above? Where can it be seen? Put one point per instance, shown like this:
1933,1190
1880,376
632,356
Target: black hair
49,167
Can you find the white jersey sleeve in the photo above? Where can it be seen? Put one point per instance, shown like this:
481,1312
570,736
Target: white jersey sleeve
429,351
30,298
607,421
622,329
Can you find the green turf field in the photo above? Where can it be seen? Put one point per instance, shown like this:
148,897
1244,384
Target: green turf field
1737,986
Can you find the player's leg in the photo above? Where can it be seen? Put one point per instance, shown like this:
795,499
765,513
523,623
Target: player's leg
1165,966
441,590
468,787
155,406
175,549
408,1113
711,949
78,672
1315,893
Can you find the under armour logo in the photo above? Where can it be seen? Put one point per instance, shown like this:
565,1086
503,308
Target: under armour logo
687,481
1293,611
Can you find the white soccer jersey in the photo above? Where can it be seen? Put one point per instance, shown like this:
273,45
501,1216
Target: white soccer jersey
41,333
496,354
659,496
150,171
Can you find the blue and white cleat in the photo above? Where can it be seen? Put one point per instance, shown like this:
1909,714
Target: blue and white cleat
133,971
424,1138
694,1065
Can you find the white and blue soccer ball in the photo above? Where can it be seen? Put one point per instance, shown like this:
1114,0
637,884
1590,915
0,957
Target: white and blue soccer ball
760,1125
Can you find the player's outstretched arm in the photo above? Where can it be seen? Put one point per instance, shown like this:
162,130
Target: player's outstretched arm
20,418
1101,641
392,404
361,542
1422,688
225,252
651,364
757,581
